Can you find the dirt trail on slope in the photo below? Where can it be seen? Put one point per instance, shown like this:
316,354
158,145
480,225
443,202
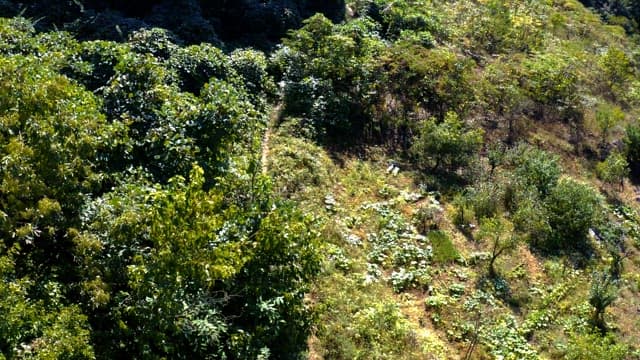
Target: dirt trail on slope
273,119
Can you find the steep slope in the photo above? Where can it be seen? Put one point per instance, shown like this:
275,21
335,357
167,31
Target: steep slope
520,246
402,180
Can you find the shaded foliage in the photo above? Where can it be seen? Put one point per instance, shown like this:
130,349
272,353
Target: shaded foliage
258,23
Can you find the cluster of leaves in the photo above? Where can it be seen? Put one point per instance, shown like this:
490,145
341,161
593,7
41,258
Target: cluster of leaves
134,221
397,248
552,212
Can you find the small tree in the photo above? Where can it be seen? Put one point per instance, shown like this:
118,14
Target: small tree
608,116
604,291
536,168
613,169
500,233
530,218
594,346
617,69
573,207
632,145
447,144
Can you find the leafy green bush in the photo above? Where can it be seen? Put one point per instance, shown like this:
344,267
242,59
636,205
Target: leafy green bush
53,140
42,329
536,168
617,69
328,72
499,27
156,41
251,65
531,219
206,284
297,165
595,346
446,145
607,117
613,169
195,66
485,199
500,94
16,36
552,80
403,16
632,145
573,207
94,64
437,80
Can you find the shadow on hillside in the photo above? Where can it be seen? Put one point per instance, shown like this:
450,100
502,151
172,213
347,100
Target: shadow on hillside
233,24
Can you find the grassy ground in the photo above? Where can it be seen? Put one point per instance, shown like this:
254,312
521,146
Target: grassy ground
391,289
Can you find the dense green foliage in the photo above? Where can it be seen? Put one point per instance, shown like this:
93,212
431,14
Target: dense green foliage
135,221
389,180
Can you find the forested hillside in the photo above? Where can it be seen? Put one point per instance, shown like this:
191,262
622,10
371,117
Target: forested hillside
375,179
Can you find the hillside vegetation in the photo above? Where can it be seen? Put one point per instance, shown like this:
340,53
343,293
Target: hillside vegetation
320,180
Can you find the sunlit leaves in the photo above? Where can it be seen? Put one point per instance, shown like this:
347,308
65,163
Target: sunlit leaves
446,145
166,251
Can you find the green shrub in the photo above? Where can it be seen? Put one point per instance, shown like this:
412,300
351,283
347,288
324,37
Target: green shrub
175,277
16,36
327,73
485,199
408,16
536,168
552,80
573,207
531,219
436,80
443,249
195,66
296,165
607,117
613,169
54,143
251,65
632,147
156,41
595,346
617,69
95,63
39,329
446,145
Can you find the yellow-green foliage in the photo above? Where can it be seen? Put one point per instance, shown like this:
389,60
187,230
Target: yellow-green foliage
297,166
363,322
146,213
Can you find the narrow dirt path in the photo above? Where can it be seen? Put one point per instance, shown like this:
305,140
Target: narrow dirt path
273,119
